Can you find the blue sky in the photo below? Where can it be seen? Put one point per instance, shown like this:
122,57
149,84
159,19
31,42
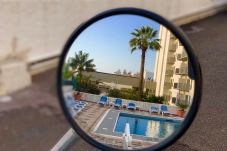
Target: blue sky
107,42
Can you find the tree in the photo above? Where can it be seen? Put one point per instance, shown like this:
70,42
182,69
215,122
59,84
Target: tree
129,73
118,72
144,39
81,62
125,72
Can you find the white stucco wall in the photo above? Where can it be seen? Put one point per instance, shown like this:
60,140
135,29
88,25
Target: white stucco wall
43,26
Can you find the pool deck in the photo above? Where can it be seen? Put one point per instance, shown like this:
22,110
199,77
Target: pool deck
90,115
100,121
107,124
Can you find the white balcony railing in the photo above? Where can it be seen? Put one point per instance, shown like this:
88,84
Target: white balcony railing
182,56
184,86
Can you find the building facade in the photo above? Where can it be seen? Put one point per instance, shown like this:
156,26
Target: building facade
171,70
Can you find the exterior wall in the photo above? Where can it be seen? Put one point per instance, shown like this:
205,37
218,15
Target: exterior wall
119,81
171,70
13,76
161,61
42,26
113,78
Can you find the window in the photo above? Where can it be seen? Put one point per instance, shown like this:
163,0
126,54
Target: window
174,99
175,85
177,71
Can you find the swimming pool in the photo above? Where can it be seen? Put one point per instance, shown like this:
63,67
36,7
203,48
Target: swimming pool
154,127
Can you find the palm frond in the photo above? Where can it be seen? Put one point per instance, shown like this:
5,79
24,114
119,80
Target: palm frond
155,45
144,39
133,49
81,62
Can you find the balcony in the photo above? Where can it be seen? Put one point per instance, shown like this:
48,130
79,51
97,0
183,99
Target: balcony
171,58
181,98
183,84
182,56
172,45
167,83
183,70
169,72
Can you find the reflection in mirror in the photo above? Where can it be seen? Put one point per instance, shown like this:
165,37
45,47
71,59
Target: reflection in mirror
126,83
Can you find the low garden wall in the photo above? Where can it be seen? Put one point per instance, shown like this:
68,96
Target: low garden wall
145,106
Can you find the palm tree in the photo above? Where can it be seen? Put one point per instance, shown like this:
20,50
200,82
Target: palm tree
81,62
144,39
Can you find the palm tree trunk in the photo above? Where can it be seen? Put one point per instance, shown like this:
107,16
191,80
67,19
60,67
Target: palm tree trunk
141,75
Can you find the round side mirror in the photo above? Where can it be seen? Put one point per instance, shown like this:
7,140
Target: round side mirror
128,79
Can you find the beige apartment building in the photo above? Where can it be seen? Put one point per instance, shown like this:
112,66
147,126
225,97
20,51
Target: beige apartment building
171,70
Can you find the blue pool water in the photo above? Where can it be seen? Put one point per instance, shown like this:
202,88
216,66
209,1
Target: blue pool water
147,126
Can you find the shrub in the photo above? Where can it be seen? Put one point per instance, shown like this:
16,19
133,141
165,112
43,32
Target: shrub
182,106
115,93
84,84
132,94
155,99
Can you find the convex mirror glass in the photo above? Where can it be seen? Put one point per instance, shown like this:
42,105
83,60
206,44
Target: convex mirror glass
127,82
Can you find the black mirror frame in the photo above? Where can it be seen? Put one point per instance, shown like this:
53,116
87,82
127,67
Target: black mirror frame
194,63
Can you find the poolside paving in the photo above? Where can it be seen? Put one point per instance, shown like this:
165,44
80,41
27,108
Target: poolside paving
90,115
33,119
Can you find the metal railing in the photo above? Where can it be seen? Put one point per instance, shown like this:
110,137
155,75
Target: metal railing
182,56
183,86
183,70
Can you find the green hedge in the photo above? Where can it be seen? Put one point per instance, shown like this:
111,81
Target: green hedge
84,84
132,94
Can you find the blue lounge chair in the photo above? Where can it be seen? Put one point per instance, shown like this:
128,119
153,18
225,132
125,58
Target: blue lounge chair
83,103
153,109
70,101
131,106
73,106
118,103
164,110
78,105
103,100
